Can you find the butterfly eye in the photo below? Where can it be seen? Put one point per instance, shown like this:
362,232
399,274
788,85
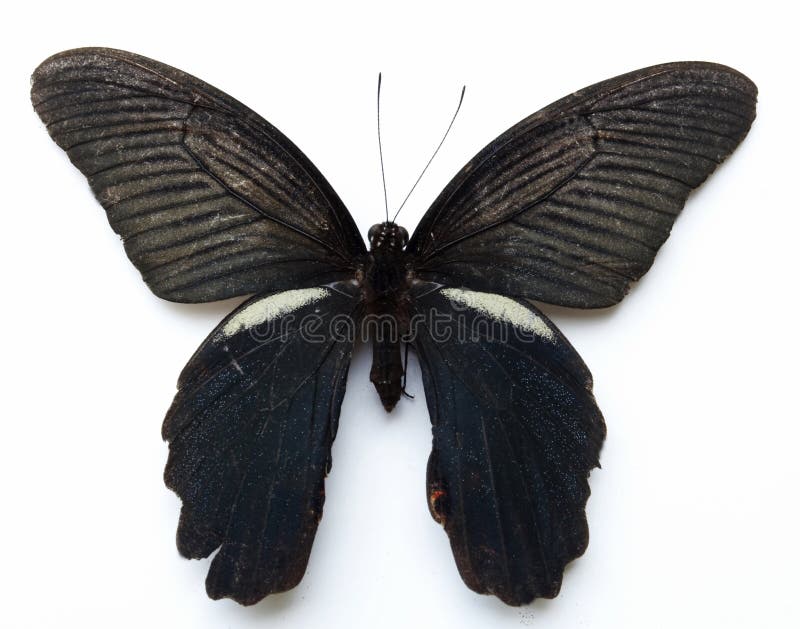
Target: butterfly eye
403,235
374,231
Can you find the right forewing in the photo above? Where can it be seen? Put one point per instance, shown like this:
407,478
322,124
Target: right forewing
570,205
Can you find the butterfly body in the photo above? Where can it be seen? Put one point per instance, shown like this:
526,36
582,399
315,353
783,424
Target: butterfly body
567,207
386,291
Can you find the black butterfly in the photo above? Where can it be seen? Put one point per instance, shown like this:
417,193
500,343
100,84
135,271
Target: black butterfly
567,207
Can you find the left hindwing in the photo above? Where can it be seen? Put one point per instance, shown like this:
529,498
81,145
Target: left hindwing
516,432
570,205
250,433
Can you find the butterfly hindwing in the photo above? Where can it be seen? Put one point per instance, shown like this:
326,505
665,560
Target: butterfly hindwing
250,432
516,432
210,199
570,205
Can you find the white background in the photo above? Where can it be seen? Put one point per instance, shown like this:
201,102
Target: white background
694,515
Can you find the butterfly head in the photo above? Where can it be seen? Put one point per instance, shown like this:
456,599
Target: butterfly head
387,236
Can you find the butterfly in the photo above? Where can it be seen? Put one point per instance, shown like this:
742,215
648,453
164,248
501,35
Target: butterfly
567,207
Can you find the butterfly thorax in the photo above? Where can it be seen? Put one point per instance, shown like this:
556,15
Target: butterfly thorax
386,299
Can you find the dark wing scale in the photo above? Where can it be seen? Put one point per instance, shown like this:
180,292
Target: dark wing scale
250,433
515,434
570,205
210,199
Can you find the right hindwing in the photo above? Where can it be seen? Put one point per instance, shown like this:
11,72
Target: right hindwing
516,432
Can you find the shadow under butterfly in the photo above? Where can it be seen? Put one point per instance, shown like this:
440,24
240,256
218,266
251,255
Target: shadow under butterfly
567,207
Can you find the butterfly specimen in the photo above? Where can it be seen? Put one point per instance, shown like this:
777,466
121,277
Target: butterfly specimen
567,207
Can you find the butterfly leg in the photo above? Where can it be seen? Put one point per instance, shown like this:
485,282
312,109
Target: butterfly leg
405,374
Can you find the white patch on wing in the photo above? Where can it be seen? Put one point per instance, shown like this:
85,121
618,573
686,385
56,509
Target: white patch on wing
501,308
270,308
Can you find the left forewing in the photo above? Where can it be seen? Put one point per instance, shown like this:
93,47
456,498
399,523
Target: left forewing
210,199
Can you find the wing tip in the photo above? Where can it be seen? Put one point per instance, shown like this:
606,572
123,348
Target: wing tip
52,62
713,66
522,594
229,579
532,581
195,544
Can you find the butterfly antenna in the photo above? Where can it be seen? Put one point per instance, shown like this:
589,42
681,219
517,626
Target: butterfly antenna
450,126
380,151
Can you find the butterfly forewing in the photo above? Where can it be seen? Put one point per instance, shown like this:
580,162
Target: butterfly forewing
210,199
570,205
